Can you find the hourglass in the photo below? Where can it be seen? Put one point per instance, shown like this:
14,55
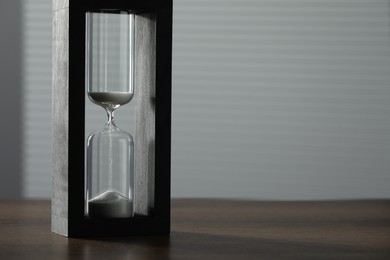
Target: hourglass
109,81
111,57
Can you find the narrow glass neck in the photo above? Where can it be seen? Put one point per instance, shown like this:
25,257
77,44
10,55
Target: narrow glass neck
110,116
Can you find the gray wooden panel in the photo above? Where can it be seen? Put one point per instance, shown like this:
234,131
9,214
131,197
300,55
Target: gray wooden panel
60,4
60,121
145,82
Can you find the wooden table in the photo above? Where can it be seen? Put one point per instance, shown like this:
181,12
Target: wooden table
215,229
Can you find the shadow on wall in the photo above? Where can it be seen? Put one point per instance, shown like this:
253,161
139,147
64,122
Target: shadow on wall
11,107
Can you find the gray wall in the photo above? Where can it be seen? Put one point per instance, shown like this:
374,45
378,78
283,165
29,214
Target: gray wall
281,99
271,99
36,154
10,105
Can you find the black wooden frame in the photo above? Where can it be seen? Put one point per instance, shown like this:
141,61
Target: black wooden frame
76,223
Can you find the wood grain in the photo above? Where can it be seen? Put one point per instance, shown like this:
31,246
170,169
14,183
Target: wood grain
145,95
215,229
60,99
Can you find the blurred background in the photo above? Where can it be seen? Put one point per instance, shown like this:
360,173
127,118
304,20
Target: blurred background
272,99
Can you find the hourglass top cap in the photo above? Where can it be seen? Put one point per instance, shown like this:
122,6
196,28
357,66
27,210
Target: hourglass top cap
111,11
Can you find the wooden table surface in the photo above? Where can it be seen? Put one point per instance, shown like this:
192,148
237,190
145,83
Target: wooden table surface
215,229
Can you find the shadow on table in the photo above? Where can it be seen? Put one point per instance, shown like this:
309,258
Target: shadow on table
188,245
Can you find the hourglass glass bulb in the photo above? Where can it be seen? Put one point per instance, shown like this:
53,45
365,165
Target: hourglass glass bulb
109,77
